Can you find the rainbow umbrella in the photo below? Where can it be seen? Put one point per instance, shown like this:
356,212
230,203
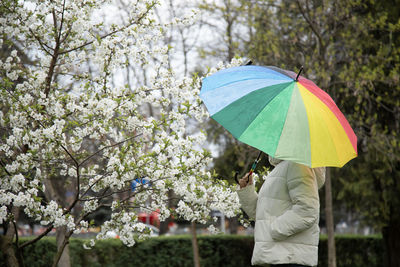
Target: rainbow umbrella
280,113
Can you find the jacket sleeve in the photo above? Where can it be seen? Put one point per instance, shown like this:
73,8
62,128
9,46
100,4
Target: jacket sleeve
248,200
303,191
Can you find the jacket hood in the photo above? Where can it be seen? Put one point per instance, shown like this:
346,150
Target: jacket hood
274,161
320,175
319,172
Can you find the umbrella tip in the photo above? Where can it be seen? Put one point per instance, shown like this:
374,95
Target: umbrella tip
298,74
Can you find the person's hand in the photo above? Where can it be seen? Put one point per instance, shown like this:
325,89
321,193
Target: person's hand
243,182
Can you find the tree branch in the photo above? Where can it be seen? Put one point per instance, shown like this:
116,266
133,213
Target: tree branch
116,144
16,234
27,243
54,58
311,24
61,23
91,186
42,45
4,167
78,182
106,35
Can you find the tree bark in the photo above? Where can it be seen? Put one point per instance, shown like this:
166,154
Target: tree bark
233,225
6,242
64,260
7,249
391,237
164,224
329,220
195,246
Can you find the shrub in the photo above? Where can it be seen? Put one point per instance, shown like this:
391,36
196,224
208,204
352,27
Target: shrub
219,250
354,251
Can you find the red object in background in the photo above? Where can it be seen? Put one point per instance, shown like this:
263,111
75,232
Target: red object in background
151,218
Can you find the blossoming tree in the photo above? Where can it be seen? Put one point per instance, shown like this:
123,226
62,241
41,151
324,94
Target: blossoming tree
68,126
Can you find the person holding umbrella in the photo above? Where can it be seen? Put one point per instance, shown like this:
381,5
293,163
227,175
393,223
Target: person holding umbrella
300,127
286,214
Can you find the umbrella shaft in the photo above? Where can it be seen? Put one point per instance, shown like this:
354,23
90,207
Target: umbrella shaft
298,74
248,176
253,167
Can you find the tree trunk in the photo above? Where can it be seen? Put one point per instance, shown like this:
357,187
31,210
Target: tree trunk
233,225
391,237
6,242
195,246
62,238
7,248
164,224
329,220
64,260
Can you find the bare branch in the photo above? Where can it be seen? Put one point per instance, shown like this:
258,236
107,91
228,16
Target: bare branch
311,24
16,234
27,243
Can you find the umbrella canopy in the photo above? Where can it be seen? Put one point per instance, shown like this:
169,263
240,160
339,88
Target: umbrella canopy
283,114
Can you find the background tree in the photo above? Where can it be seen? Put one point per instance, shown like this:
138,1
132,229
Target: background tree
373,182
350,49
226,30
229,31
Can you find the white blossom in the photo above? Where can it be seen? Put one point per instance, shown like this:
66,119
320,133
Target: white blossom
3,213
94,137
213,230
90,205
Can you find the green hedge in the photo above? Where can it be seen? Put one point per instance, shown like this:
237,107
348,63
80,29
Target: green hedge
220,250
354,251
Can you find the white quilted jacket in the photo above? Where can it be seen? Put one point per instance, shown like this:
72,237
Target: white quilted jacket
286,212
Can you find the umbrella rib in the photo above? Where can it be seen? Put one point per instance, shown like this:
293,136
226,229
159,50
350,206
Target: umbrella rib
286,117
281,71
323,121
249,79
334,144
280,134
266,104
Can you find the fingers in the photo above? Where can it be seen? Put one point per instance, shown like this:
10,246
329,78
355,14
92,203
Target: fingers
246,180
249,179
243,182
